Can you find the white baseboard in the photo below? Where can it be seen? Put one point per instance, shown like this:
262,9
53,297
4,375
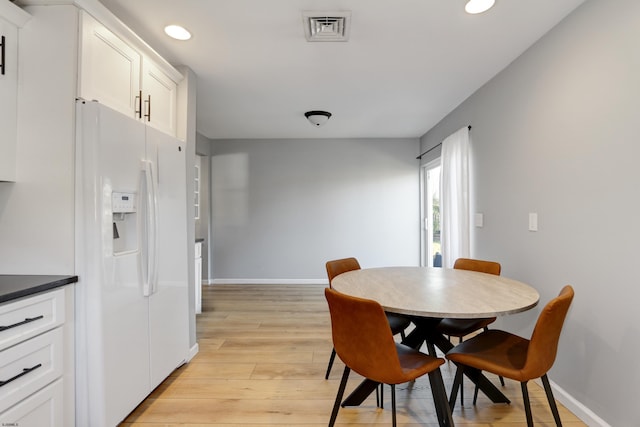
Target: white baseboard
585,414
192,352
269,282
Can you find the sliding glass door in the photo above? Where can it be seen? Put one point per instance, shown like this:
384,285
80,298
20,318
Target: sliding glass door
430,207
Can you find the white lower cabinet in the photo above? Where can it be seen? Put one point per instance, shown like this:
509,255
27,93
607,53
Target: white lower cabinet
29,366
29,317
42,409
36,350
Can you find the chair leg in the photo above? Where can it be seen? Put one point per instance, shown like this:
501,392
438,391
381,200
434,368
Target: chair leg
439,393
380,396
475,391
527,404
457,381
552,401
393,404
331,359
461,382
336,405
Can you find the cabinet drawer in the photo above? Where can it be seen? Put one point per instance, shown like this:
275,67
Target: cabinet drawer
43,409
28,317
29,366
198,250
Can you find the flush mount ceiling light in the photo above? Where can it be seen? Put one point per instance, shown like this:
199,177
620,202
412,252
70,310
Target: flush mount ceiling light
317,118
478,6
177,32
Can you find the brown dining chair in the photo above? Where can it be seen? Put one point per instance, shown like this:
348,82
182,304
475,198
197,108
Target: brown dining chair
397,323
519,359
462,327
363,341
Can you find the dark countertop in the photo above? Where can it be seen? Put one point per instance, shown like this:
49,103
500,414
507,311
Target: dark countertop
18,286
199,239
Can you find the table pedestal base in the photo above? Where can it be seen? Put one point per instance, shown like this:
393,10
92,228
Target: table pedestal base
425,332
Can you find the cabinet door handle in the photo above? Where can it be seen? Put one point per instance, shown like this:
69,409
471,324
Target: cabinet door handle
24,322
138,111
25,371
3,45
148,102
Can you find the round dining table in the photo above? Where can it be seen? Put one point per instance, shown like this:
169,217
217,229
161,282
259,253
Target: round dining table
426,295
438,292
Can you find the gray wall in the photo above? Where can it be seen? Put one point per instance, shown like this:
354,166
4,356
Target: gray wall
204,222
203,225
557,133
282,208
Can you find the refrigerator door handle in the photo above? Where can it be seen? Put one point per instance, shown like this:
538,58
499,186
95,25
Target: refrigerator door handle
146,226
149,284
154,228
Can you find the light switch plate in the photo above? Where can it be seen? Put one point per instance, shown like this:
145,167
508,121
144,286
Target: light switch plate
533,221
479,220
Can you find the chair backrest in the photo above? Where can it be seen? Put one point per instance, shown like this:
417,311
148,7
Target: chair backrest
481,266
544,340
340,266
362,337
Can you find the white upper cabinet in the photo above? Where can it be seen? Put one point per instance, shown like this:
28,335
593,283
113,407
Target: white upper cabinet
109,68
159,98
11,17
8,99
119,76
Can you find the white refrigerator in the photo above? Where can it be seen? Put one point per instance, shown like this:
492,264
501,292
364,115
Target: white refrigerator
131,259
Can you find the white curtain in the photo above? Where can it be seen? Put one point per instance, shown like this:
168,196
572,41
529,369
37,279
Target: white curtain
454,197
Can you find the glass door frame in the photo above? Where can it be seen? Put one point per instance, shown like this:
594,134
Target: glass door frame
426,211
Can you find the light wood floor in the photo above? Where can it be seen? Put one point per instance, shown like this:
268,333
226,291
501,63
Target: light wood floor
263,354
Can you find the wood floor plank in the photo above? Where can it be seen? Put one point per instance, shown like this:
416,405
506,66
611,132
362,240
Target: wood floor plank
202,368
263,354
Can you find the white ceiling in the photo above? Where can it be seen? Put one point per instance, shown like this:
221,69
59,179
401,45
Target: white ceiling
407,64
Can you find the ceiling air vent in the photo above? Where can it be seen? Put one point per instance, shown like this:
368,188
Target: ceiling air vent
326,26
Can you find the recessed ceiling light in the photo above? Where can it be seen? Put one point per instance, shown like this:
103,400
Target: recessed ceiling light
177,32
478,6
